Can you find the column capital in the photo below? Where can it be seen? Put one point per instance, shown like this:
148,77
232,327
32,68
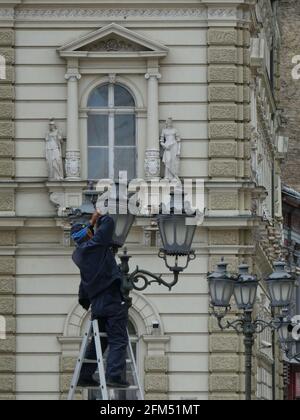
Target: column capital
72,77
149,75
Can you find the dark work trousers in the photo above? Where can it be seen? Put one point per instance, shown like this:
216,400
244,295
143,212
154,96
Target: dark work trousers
112,315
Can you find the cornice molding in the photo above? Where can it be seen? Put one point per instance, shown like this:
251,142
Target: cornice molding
108,13
7,12
95,13
55,13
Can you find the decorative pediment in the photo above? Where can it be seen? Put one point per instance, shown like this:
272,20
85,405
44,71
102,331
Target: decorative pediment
113,40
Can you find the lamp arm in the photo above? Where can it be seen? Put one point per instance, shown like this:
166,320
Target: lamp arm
261,325
273,324
295,357
144,275
237,324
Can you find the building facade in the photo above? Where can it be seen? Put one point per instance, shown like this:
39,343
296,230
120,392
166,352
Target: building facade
291,213
289,19
213,68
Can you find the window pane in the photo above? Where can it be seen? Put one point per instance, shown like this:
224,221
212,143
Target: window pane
125,160
123,97
125,130
99,97
98,130
98,162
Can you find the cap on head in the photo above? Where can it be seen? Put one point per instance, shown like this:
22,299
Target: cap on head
81,233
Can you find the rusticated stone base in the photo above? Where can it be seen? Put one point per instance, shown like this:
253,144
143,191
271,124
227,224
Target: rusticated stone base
7,310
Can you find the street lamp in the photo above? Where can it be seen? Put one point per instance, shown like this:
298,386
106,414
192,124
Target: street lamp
280,286
176,231
245,288
177,236
221,286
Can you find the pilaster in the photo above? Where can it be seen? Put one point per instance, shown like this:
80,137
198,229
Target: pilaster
156,368
7,313
152,158
73,164
7,208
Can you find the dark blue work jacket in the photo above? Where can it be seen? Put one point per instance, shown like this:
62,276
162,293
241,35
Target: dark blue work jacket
96,262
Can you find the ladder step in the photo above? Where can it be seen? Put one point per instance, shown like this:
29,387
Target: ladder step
104,335
129,388
90,361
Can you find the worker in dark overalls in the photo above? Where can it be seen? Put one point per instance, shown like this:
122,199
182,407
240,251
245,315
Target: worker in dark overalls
100,288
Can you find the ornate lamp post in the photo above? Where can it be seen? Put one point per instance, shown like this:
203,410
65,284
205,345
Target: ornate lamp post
177,237
244,287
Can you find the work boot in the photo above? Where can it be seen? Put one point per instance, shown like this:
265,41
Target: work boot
116,382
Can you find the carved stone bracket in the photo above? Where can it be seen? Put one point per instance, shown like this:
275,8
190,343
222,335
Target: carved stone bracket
65,195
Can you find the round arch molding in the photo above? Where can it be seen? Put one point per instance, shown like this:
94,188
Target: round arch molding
123,81
142,314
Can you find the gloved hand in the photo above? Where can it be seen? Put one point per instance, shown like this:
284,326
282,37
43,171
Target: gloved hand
96,215
85,303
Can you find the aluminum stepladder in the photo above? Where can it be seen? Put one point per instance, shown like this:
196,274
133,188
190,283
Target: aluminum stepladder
93,329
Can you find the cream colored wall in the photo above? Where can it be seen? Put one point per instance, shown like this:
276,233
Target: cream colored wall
47,284
47,281
41,91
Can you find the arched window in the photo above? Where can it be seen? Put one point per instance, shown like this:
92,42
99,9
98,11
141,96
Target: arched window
111,132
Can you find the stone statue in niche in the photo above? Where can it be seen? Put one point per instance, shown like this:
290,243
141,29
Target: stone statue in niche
54,140
170,141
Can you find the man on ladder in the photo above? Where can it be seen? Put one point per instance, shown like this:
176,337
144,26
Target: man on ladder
100,288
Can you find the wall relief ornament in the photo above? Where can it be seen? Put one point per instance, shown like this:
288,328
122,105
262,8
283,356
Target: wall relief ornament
113,43
58,199
99,13
152,164
73,165
7,13
221,13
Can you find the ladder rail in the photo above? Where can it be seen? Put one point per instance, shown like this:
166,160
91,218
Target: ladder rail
100,360
79,362
134,369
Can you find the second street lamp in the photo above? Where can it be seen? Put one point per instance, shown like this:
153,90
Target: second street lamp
221,285
280,286
244,286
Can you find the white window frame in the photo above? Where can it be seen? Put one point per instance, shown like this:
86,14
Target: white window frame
112,111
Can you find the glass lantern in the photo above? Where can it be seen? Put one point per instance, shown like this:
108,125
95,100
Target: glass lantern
245,288
221,286
280,286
